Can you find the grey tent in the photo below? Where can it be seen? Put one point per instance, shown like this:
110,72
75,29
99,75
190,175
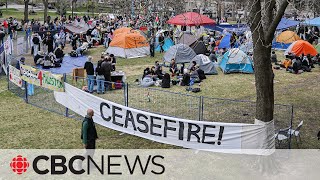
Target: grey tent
199,47
180,52
205,64
187,38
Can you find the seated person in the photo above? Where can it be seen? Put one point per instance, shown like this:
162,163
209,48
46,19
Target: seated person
185,78
310,61
296,65
287,63
305,64
192,66
173,67
158,70
47,63
201,74
82,48
59,54
166,81
274,57
146,72
38,59
213,56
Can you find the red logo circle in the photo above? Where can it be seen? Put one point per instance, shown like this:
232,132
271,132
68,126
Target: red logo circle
19,164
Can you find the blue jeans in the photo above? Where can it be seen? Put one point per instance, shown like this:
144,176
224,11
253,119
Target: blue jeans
100,84
91,80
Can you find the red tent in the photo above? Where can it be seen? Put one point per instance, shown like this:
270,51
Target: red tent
190,19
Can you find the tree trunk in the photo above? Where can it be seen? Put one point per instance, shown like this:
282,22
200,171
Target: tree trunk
26,10
263,26
45,11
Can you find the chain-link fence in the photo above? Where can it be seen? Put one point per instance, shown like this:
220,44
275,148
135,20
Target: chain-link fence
157,100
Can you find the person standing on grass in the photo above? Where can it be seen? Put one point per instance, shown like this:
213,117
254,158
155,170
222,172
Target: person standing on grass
88,131
107,68
88,66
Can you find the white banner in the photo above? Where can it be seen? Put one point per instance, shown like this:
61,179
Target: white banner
15,76
212,136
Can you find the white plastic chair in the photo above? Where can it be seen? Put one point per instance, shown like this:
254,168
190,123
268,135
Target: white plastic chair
296,133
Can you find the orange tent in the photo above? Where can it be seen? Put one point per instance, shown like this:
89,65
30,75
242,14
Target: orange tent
122,30
287,37
301,47
129,45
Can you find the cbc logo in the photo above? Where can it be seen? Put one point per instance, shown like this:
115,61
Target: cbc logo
19,164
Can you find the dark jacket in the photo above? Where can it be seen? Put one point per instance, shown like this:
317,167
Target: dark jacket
88,131
107,67
88,66
166,81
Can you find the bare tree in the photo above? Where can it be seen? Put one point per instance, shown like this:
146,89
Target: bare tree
45,11
263,20
26,9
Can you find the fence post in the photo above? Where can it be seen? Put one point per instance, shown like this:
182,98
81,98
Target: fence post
127,95
65,80
8,78
291,126
200,108
26,91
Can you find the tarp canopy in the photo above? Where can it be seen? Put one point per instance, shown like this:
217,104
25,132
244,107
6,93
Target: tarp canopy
301,47
129,45
180,52
77,27
190,19
225,41
312,22
286,23
199,47
205,64
187,38
287,37
237,28
236,60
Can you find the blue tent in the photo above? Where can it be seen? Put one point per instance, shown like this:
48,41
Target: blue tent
286,23
225,42
234,61
312,22
167,44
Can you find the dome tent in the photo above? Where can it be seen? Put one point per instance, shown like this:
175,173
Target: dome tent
180,52
236,60
301,47
205,64
129,45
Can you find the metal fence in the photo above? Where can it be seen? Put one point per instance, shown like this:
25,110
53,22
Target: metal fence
159,101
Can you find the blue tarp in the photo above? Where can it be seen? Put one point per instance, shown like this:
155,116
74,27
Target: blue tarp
225,41
280,46
167,44
68,64
237,28
286,23
312,22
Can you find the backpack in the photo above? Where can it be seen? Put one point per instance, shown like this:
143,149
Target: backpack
118,84
195,90
35,40
73,53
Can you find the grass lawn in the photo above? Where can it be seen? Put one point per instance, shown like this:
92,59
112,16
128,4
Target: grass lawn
19,15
